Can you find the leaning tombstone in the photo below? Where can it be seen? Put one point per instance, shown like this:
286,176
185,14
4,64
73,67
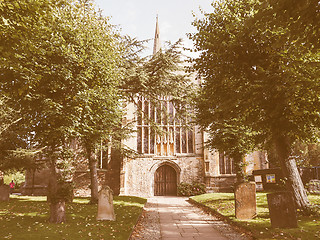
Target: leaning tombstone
105,204
282,210
4,192
245,200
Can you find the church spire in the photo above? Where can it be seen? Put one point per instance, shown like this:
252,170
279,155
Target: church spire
156,45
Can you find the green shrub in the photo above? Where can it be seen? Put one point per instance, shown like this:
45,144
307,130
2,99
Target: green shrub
186,189
64,191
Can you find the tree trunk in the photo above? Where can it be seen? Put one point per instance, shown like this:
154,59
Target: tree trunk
238,164
114,170
57,204
93,177
291,173
32,189
58,211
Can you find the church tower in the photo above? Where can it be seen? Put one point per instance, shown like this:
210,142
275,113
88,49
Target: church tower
156,44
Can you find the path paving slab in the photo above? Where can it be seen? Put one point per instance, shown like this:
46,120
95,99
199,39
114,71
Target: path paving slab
168,218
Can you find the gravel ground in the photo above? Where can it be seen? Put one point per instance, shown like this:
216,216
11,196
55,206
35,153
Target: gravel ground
148,226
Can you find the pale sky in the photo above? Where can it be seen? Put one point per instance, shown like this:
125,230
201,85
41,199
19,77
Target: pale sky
137,18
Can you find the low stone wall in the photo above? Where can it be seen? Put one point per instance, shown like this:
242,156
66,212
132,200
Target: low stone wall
82,182
36,190
36,182
223,183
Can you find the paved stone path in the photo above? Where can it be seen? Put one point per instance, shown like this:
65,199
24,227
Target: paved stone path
174,218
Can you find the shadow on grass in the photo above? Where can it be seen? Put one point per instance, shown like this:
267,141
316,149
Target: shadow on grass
260,227
27,218
130,199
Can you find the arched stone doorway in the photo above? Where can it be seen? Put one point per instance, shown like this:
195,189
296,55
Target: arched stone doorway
165,181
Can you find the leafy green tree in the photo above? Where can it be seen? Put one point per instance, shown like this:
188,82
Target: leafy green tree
99,105
162,74
255,73
55,51
15,152
300,17
8,116
100,116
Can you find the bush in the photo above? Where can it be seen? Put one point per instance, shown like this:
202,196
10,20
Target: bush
64,191
186,189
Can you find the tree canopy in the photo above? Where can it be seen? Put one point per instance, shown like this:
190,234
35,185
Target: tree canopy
258,70
57,57
55,52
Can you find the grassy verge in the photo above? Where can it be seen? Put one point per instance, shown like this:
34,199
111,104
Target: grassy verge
260,226
27,218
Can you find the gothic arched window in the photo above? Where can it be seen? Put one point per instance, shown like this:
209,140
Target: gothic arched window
226,165
174,138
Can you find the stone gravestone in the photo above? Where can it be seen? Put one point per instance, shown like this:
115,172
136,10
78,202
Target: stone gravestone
4,192
282,210
105,204
245,200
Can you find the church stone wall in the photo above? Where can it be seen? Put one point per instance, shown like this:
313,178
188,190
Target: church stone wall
139,173
136,177
217,182
192,169
255,161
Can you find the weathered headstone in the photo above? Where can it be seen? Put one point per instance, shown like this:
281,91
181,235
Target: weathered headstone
105,204
4,192
282,210
245,200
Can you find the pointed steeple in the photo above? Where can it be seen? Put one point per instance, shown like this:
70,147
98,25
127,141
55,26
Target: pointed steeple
156,45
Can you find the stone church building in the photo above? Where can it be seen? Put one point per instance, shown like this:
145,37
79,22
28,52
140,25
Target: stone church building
174,157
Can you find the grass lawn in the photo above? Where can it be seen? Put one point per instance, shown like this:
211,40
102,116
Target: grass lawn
25,217
223,203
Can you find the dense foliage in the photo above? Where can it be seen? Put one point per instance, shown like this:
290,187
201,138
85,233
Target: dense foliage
191,189
26,217
56,58
260,77
53,52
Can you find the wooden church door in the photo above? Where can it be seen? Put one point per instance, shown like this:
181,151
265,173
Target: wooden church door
165,181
